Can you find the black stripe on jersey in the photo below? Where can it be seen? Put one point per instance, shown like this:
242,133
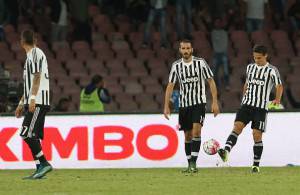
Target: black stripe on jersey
182,84
185,71
266,88
194,74
208,73
47,98
250,86
40,64
173,77
43,97
28,79
200,75
34,57
276,79
262,91
256,89
25,90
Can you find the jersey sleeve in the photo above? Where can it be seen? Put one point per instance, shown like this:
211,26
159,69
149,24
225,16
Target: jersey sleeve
247,73
172,75
276,77
37,61
206,70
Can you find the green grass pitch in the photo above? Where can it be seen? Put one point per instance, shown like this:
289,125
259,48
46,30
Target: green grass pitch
285,180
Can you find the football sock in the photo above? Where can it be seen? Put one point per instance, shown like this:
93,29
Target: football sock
231,141
196,142
257,150
37,162
36,149
188,150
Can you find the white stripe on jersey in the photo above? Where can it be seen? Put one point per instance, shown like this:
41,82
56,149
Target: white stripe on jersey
191,78
260,81
36,62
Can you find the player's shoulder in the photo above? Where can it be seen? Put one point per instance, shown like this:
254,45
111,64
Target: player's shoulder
271,66
195,58
177,62
38,51
250,65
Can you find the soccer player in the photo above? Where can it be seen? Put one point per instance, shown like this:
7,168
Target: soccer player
35,102
191,72
261,76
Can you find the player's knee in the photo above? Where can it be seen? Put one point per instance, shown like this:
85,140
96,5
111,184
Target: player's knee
257,135
238,127
188,136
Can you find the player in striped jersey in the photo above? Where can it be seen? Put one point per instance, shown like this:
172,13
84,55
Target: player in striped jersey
261,76
191,73
35,102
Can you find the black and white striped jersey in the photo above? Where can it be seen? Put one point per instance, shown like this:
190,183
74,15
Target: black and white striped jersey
260,81
191,77
36,62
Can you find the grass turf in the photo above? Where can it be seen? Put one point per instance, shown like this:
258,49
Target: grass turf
231,181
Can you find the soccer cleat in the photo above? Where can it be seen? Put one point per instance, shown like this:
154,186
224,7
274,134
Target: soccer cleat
42,171
223,154
30,176
255,169
187,170
193,167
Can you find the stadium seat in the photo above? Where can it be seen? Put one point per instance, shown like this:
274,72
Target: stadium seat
133,88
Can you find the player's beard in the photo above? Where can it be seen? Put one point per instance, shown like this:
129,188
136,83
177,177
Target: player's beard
186,55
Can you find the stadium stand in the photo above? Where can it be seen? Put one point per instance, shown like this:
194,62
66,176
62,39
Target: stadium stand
136,76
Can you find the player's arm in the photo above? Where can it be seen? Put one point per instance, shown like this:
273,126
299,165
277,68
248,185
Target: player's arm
279,91
168,93
244,88
34,90
213,89
19,109
278,85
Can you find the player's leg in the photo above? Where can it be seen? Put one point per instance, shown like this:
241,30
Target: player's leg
187,147
186,126
197,115
23,133
257,149
32,138
196,143
38,133
231,140
241,120
258,126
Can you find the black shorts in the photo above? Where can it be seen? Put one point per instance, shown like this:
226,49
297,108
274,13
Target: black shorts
190,115
257,116
33,123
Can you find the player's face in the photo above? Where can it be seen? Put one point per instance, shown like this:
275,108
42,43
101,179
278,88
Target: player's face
260,59
186,50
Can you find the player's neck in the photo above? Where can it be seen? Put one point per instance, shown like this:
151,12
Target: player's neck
189,60
262,64
28,48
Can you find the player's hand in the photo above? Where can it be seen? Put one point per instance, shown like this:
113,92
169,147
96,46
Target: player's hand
276,102
19,111
32,105
215,108
167,112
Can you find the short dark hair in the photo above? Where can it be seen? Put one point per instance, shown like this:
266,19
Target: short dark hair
96,79
185,41
28,37
260,49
